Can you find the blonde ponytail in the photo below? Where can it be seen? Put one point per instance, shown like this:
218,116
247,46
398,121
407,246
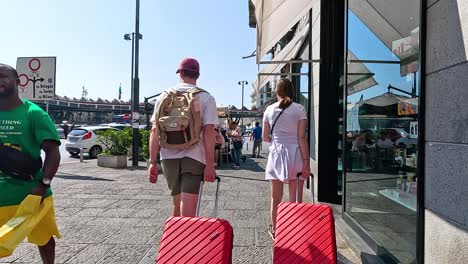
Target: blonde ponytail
285,102
285,90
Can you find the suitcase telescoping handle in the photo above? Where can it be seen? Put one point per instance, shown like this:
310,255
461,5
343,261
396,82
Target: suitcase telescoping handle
310,184
215,209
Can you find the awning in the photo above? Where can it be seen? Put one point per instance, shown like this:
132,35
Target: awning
275,18
385,104
383,100
395,24
359,77
222,114
287,53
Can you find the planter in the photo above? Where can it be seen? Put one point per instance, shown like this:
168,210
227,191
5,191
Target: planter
108,161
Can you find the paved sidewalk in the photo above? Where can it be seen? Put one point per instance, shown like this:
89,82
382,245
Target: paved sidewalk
116,216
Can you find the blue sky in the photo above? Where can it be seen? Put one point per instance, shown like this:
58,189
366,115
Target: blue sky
366,46
87,38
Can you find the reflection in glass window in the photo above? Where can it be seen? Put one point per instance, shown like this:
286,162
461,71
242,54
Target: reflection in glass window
304,86
382,119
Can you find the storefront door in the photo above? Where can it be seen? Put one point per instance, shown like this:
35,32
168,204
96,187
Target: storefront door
380,131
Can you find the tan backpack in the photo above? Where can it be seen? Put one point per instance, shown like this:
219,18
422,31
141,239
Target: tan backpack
179,119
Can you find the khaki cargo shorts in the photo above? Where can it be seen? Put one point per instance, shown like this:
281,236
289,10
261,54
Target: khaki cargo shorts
183,175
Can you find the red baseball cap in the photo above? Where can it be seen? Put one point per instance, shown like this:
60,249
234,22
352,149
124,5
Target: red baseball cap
189,64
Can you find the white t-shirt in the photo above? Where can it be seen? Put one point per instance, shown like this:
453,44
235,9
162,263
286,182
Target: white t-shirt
209,116
285,131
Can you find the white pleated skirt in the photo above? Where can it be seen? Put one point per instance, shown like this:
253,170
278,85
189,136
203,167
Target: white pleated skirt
284,162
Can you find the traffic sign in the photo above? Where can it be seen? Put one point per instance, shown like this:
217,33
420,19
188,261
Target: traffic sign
36,77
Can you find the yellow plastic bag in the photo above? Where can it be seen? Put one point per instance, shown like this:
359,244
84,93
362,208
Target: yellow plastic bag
28,215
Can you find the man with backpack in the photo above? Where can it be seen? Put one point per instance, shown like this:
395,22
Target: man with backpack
183,130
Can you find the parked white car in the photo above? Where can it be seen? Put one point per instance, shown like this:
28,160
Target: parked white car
400,137
407,142
86,138
118,125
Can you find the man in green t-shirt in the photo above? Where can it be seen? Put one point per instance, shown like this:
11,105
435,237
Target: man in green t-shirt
28,128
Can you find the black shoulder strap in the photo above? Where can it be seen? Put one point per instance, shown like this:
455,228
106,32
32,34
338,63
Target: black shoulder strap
276,120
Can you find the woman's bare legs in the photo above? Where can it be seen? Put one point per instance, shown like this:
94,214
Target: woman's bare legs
276,197
292,190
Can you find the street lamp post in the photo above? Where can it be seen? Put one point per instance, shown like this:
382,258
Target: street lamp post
135,84
131,36
136,91
242,117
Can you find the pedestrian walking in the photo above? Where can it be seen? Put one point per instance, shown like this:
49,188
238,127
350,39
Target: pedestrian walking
66,129
25,130
284,124
219,145
235,134
257,139
183,129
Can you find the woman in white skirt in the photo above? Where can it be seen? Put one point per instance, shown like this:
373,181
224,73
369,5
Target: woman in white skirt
285,124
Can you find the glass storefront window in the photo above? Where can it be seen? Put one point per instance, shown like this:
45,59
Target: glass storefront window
304,87
381,122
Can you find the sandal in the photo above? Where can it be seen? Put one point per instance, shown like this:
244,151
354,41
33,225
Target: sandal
271,231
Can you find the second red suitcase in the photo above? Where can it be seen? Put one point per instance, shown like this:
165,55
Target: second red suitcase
196,239
304,233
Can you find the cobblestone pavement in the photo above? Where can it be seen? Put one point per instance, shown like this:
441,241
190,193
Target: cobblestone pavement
116,216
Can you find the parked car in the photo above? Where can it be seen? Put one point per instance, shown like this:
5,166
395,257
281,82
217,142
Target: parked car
400,137
247,132
394,133
86,138
407,142
118,125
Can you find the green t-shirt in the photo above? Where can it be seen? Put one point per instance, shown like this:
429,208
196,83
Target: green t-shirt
27,126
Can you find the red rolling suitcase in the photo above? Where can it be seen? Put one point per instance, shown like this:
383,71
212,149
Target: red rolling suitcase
197,239
304,233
